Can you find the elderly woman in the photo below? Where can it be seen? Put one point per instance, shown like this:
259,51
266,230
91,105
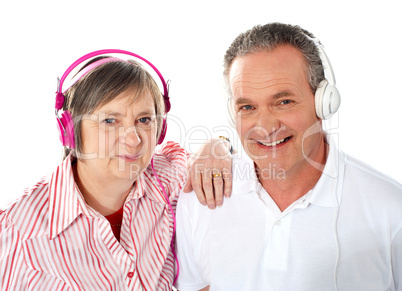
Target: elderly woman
104,220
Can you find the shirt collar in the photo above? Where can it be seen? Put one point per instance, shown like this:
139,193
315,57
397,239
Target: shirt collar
244,179
327,191
147,185
65,201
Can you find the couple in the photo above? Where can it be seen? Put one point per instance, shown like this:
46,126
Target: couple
327,223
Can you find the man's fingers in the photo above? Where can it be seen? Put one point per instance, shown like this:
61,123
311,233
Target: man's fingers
188,187
208,188
217,180
198,188
227,182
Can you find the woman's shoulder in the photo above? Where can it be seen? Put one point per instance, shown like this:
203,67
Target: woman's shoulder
171,154
29,210
169,163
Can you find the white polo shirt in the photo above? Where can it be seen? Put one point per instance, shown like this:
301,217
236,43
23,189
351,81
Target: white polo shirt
344,234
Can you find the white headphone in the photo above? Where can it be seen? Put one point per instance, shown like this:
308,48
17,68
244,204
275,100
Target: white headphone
327,97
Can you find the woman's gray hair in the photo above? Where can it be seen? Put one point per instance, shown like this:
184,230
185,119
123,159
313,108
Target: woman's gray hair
105,83
270,36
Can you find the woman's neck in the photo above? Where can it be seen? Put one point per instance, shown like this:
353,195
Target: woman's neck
104,195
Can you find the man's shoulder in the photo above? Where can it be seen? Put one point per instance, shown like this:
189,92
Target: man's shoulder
372,190
244,180
363,173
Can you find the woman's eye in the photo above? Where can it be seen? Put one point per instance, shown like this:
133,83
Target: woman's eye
144,120
110,121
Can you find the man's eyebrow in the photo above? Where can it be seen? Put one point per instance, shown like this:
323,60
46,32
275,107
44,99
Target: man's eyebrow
278,95
282,94
242,100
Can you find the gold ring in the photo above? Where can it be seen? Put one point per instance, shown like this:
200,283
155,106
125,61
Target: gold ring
216,175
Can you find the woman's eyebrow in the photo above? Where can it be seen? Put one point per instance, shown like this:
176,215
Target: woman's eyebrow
112,112
146,112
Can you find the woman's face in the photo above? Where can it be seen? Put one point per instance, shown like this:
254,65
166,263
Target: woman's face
119,138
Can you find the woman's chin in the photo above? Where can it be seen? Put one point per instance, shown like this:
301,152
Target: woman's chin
128,170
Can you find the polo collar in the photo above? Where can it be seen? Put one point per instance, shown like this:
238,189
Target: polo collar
244,179
327,191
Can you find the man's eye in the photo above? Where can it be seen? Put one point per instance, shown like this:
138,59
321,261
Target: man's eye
285,102
246,107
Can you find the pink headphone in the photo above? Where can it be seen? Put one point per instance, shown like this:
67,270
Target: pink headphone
65,122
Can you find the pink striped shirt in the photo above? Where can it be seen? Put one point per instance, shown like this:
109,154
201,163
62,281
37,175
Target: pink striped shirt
50,239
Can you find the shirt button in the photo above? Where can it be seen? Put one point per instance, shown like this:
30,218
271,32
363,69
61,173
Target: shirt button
130,274
278,223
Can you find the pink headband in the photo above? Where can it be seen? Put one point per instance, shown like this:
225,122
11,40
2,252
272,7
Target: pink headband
89,68
60,99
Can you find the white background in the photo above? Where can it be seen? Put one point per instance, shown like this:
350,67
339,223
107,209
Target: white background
186,40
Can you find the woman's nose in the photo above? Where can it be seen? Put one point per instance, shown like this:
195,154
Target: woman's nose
130,137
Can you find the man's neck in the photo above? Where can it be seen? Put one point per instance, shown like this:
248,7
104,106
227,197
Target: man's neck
295,184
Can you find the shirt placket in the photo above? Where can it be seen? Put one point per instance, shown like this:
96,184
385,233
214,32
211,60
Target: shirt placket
121,257
279,236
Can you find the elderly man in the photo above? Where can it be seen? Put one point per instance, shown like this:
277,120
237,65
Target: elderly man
302,215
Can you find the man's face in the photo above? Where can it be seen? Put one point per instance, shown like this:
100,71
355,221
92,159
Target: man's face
274,107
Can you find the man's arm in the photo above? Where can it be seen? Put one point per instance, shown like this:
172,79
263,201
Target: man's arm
190,277
396,252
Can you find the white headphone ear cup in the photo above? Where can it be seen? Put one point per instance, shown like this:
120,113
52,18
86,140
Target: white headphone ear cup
327,100
319,98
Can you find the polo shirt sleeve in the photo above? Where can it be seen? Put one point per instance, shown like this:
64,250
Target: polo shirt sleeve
189,276
396,253
12,268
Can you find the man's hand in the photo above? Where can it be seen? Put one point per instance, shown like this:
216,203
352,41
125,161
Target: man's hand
210,173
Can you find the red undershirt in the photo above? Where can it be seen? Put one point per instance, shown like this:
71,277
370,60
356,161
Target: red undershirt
115,221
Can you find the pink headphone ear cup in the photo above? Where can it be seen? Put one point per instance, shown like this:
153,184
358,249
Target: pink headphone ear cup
66,129
62,136
166,101
163,131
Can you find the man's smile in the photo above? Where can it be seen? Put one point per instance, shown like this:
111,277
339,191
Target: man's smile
271,144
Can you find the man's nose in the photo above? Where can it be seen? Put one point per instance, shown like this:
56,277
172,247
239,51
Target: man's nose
266,123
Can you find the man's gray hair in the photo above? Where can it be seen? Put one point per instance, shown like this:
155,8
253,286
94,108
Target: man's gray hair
270,36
